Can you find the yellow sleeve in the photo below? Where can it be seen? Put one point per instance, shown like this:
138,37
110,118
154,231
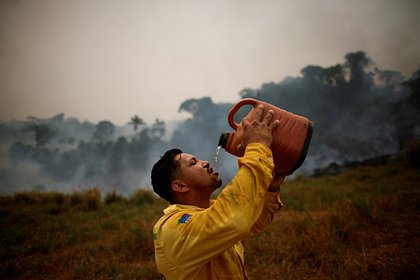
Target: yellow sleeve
209,232
272,204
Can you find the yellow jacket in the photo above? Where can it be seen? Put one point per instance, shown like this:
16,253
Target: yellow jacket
196,243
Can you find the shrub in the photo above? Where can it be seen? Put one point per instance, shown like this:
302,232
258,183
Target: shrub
113,197
89,199
412,153
25,197
92,199
143,196
59,198
76,198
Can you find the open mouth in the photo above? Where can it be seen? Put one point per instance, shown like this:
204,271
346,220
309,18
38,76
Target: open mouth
212,171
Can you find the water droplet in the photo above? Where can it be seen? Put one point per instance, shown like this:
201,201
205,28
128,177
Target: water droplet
216,157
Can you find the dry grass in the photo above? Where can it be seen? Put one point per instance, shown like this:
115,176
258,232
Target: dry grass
359,225
78,237
362,224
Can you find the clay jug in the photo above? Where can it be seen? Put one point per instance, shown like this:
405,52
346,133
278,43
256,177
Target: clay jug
291,138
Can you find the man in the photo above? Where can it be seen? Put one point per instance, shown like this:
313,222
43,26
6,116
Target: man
198,238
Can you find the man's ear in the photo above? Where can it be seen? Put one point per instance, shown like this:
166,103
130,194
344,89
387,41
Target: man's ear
179,186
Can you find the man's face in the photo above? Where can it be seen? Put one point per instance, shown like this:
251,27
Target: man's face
197,173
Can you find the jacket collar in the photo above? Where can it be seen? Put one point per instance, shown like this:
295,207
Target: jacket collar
177,207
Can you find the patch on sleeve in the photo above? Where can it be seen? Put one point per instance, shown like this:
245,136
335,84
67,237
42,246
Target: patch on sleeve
184,219
155,236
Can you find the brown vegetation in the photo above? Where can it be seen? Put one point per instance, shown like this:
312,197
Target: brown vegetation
360,224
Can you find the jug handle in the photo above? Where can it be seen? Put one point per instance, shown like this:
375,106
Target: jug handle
236,107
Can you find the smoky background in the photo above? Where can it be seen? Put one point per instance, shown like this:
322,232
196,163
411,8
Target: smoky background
359,111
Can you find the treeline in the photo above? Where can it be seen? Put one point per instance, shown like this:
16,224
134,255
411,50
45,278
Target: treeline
359,112
68,155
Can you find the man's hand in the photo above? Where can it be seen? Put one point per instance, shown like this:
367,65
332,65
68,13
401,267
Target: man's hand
258,129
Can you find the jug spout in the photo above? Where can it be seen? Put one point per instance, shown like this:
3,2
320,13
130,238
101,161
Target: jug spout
224,138
229,141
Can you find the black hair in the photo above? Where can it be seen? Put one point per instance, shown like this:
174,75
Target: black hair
163,173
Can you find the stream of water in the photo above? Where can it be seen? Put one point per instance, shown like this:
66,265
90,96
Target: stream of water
216,157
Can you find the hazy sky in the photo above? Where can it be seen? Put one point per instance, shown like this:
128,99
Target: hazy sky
109,60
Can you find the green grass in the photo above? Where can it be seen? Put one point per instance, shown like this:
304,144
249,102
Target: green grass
360,224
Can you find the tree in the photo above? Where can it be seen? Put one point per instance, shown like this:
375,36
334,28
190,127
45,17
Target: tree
333,75
136,121
357,62
158,129
414,85
42,132
104,131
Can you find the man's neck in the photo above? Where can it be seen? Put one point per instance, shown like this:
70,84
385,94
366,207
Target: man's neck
202,202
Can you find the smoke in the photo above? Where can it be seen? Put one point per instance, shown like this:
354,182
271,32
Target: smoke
357,109
65,155
359,112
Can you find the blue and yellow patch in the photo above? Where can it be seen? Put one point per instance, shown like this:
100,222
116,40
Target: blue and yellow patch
184,218
155,236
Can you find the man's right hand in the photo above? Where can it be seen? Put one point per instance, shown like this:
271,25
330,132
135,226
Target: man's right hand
259,129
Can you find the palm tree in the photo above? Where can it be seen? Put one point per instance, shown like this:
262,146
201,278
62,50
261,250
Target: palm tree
136,121
158,129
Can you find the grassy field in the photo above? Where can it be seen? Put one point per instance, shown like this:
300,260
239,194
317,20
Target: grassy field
361,224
